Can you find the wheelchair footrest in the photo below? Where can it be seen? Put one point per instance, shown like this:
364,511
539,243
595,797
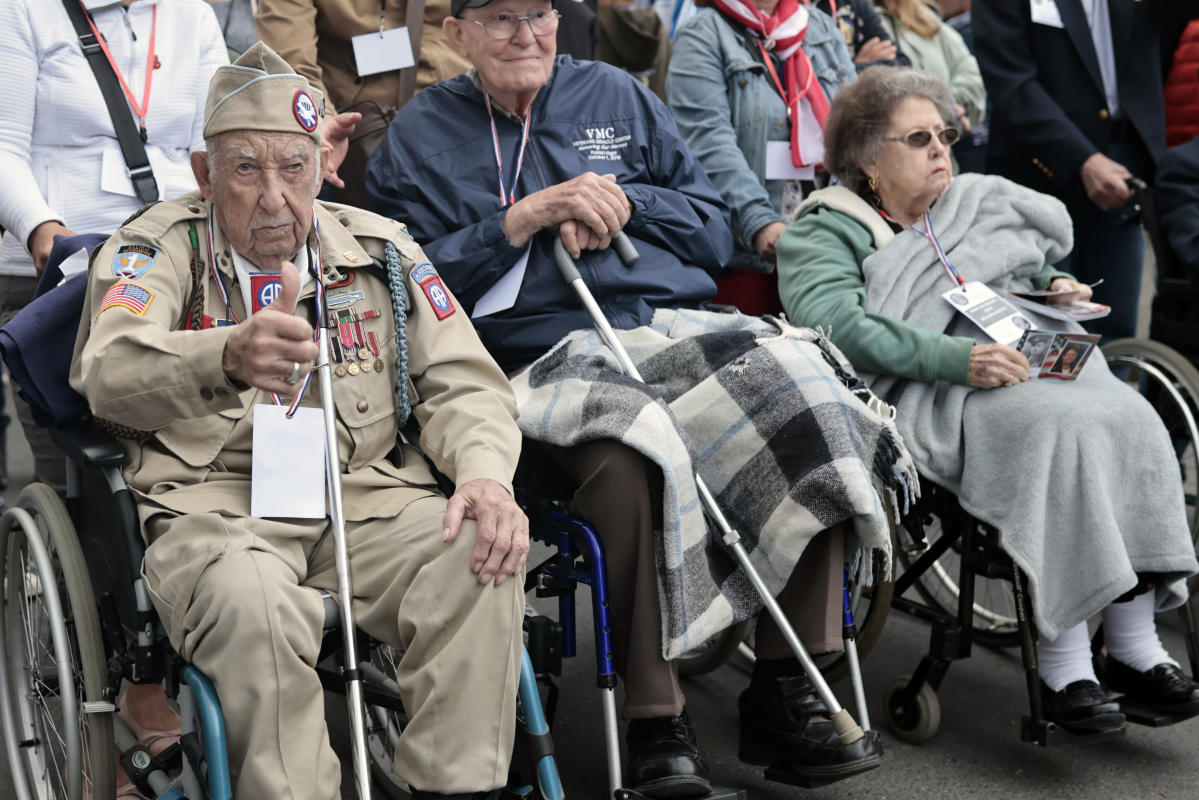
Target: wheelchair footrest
1142,714
717,793
1050,734
810,781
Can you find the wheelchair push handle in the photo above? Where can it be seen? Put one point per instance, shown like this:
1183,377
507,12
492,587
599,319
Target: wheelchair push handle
566,265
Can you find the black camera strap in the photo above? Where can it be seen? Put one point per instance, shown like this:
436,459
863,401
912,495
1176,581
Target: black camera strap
132,146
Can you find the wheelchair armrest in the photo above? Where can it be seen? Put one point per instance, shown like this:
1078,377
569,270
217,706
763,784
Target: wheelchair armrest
88,446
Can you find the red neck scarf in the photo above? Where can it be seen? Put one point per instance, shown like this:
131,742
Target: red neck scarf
783,33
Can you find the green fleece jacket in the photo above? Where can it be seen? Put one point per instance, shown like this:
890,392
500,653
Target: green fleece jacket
821,284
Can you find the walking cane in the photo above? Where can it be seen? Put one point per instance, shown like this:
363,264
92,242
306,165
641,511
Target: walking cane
847,729
345,589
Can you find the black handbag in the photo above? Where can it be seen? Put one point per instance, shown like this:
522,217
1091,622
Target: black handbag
133,147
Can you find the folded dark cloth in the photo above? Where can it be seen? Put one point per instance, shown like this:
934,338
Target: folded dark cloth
38,342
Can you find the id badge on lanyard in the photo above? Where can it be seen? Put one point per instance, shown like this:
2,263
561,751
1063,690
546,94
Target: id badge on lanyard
288,478
979,303
998,318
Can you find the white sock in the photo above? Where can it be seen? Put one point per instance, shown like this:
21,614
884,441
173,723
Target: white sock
1130,633
1067,658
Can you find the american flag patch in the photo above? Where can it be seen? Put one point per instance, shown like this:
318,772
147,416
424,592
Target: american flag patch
127,295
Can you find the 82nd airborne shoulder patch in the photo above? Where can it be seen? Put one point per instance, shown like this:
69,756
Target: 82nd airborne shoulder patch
430,284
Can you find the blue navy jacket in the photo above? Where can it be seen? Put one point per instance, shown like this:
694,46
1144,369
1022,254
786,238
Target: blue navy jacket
436,172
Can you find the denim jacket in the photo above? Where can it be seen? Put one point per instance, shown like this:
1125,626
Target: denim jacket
727,108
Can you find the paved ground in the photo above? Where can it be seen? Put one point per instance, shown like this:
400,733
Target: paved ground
977,754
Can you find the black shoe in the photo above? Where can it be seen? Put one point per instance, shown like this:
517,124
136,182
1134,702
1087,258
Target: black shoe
1083,707
664,759
784,726
1164,688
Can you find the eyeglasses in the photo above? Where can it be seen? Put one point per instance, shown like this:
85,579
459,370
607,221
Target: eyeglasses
505,26
918,140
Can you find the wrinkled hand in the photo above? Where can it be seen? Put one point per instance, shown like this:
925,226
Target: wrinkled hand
995,365
502,544
262,350
965,123
41,242
577,237
591,201
1068,285
1104,181
765,240
335,141
876,49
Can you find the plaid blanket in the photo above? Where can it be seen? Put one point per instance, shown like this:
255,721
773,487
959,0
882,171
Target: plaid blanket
774,419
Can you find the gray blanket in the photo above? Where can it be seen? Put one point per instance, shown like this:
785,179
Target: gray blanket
785,435
1079,477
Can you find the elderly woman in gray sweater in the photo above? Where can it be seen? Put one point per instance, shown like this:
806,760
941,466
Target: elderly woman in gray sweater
1044,462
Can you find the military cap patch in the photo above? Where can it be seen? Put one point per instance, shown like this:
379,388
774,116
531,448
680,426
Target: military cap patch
305,111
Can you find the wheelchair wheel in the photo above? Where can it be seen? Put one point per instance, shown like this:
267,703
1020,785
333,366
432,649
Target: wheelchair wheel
994,620
916,722
1171,384
53,667
384,725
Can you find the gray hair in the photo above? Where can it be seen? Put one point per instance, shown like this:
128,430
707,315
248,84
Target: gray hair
861,115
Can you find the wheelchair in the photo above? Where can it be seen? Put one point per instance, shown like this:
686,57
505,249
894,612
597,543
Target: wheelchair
969,590
77,623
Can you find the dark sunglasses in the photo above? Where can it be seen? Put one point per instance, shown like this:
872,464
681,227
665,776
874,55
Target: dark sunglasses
918,140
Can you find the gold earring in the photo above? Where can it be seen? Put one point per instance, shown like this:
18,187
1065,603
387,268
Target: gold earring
873,184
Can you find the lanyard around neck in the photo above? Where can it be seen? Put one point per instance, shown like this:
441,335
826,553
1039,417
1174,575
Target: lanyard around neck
928,233
507,197
140,109
314,266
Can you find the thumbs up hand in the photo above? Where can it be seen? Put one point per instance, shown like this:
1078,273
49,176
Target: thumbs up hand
289,290
264,351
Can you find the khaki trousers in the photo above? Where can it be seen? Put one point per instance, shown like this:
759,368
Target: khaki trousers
235,597
615,490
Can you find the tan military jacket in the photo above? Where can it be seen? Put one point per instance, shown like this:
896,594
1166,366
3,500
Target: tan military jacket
139,368
313,36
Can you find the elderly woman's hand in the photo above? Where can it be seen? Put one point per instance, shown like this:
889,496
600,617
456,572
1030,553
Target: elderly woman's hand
995,365
1068,285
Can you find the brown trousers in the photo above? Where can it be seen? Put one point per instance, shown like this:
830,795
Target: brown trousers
614,485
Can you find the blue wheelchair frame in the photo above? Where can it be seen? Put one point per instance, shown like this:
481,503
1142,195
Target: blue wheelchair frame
578,558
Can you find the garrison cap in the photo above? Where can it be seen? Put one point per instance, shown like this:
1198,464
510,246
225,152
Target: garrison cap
261,92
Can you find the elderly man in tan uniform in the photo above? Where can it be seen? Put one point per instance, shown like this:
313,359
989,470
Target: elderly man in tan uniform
197,318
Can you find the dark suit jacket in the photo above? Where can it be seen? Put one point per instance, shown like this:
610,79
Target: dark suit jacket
1178,205
1049,110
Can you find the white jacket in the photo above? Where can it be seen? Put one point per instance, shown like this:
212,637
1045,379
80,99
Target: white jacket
59,157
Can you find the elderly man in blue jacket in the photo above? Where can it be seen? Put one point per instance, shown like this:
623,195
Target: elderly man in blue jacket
486,170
